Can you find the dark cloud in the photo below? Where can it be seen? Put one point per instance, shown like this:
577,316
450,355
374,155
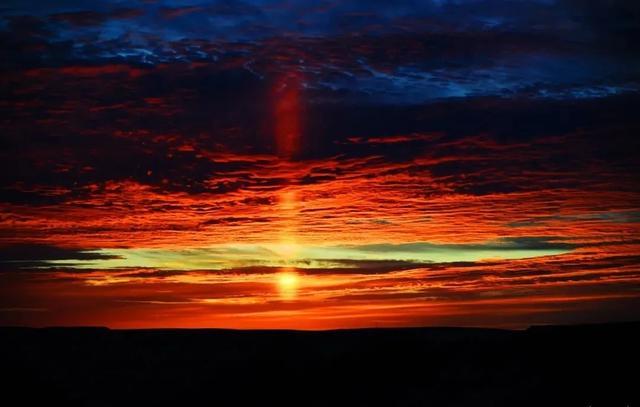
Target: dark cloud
92,18
161,132
174,12
25,256
234,220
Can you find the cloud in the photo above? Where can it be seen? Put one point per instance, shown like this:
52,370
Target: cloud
515,243
474,292
469,152
231,256
38,255
93,18
175,12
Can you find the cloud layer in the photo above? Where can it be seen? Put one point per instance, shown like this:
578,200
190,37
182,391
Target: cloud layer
426,162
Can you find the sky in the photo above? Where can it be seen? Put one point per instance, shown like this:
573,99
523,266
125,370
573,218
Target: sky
319,165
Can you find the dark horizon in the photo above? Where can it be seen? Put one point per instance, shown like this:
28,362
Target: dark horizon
574,366
371,328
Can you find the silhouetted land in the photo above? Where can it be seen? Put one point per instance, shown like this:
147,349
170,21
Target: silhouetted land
593,365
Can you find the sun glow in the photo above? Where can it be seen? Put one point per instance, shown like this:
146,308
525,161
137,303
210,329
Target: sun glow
287,282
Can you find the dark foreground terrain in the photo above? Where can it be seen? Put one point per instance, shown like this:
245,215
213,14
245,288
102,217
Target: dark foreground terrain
595,365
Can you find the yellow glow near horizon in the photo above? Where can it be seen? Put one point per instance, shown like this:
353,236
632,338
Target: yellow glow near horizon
287,282
287,250
289,253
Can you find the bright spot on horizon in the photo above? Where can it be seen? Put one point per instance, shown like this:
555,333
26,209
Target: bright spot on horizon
287,282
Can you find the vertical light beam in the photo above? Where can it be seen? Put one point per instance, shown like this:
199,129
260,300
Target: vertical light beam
288,135
288,115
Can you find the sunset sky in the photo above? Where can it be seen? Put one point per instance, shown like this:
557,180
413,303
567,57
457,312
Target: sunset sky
319,164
